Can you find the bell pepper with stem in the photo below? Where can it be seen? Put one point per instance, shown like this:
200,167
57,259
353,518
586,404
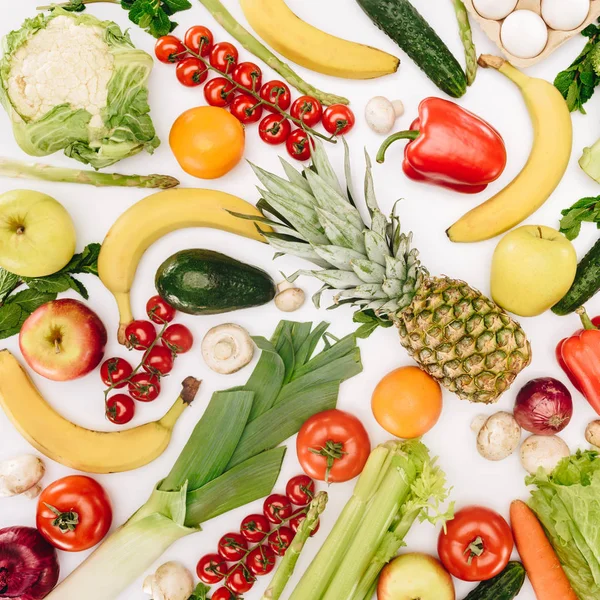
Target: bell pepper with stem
451,147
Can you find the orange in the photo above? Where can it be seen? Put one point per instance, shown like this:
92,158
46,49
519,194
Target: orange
207,141
407,402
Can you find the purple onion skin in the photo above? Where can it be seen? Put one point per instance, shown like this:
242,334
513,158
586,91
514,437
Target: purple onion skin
28,564
544,406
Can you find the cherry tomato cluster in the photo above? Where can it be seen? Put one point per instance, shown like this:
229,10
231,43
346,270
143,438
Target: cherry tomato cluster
160,350
243,556
240,87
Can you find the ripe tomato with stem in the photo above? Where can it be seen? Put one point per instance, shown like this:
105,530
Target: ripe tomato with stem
298,145
261,560
159,310
159,360
246,109
277,508
177,338
211,569
199,40
255,528
308,110
300,490
248,75
115,372
144,387
240,580
140,334
232,546
280,540
224,57
338,119
219,92
276,92
274,129
169,49
120,409
191,72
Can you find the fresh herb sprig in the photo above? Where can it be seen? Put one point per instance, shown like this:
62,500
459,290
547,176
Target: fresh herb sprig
586,210
16,306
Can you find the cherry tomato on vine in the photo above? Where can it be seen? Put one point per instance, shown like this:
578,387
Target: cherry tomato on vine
74,513
199,40
476,545
178,338
244,108
144,387
261,560
211,568
295,524
159,360
169,49
308,110
224,57
219,92
280,540
300,490
277,508
159,310
115,371
232,546
223,594
298,145
274,129
276,92
120,409
248,75
191,71
140,334
338,119
255,528
240,580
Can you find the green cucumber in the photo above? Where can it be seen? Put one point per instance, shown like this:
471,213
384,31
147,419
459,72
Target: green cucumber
504,586
401,21
586,284
203,282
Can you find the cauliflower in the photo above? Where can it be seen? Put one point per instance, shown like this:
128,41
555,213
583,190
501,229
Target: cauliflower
73,82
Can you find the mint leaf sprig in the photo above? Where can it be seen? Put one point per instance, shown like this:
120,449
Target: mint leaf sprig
586,210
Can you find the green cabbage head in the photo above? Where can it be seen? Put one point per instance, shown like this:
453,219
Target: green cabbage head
72,82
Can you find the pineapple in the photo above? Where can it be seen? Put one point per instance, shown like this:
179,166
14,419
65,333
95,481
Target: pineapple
457,335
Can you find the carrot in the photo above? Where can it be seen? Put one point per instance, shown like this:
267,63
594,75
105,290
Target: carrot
539,559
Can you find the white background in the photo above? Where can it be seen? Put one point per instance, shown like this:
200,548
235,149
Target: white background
427,210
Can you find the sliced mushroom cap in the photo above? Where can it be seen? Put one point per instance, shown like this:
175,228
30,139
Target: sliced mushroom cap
592,433
227,348
20,474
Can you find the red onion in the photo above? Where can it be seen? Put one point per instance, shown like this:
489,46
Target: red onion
544,406
28,564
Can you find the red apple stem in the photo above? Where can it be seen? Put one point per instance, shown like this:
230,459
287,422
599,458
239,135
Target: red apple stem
57,346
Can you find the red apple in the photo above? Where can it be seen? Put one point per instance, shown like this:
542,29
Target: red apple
63,340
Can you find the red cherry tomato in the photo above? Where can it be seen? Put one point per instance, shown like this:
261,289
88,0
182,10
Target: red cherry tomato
115,371
338,119
178,339
224,57
277,508
140,334
169,49
159,311
244,108
223,594
274,129
144,387
248,75
308,110
276,92
295,524
476,545
255,528
240,580
191,71
300,490
232,546
298,145
219,92
199,40
280,540
211,568
261,560
159,361
120,409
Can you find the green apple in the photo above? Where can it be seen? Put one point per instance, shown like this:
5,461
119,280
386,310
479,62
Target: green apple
415,575
532,269
37,235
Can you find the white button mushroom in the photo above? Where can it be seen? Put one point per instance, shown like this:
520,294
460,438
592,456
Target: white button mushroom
498,436
544,451
381,114
21,475
227,348
171,581
289,298
592,433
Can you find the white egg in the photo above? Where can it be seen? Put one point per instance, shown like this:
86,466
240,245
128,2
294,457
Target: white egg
524,34
494,9
565,15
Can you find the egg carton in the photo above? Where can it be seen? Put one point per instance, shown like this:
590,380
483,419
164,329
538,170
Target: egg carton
555,38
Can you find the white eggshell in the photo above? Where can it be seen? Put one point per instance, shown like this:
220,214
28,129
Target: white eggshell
524,34
565,15
494,9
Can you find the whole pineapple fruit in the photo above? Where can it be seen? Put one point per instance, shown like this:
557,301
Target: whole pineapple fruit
456,334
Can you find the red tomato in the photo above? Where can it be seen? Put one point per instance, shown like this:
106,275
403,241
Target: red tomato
120,409
74,513
159,311
169,49
159,361
140,334
338,119
255,528
248,75
477,544
298,145
232,546
144,387
333,446
219,92
277,508
223,594
240,580
280,540
244,108
308,110
211,569
191,71
295,523
178,339
115,372
199,40
261,560
274,129
300,490
276,92
224,57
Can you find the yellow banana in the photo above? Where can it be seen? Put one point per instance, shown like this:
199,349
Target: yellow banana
312,48
76,447
548,161
152,218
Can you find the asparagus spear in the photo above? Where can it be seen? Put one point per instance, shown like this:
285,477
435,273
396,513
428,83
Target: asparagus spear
16,168
288,564
466,37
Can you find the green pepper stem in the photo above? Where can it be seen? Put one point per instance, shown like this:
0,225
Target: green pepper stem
585,319
410,134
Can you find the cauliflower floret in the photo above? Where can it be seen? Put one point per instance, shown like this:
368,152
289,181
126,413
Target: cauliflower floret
53,67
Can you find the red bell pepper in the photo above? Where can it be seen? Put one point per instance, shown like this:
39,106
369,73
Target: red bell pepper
451,147
579,356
